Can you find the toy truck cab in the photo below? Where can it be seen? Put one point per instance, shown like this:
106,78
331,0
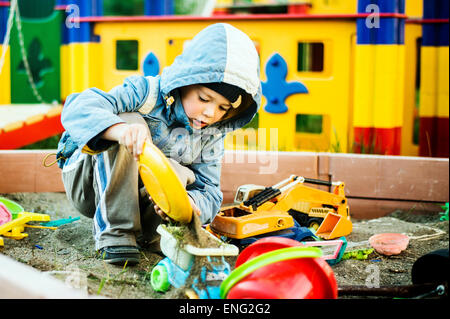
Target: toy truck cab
245,192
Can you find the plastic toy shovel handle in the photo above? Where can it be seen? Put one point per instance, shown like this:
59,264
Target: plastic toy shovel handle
266,259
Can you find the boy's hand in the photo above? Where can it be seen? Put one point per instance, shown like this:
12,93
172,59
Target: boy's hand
132,136
161,214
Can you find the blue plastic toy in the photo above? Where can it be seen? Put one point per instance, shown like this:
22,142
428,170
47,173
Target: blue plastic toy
60,222
167,273
212,278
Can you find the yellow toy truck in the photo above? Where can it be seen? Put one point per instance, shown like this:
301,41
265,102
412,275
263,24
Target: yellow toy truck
267,209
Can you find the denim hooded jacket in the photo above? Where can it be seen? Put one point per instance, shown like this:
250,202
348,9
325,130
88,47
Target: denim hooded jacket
219,53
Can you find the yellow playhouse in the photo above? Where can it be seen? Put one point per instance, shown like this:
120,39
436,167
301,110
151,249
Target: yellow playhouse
358,76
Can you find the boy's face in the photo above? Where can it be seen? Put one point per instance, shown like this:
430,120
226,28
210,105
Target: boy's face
203,106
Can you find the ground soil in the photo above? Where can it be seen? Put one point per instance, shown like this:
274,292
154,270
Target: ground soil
70,248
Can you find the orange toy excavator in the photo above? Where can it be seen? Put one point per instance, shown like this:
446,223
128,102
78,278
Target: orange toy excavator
258,209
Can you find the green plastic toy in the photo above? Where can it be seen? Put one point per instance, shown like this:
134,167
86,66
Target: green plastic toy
12,207
444,215
359,254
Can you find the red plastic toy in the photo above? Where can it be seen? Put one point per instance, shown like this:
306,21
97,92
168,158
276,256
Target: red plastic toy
299,278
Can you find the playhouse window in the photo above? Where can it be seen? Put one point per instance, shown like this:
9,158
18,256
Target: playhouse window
126,55
310,57
307,123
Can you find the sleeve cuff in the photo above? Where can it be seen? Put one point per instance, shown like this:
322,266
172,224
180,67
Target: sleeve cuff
99,144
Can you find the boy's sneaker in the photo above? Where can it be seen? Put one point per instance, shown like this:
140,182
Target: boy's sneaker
119,255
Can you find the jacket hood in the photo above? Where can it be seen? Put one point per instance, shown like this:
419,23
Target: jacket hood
218,53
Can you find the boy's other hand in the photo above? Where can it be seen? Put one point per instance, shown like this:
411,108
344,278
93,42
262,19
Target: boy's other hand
160,213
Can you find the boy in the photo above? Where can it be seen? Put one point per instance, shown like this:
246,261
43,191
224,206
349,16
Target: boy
213,87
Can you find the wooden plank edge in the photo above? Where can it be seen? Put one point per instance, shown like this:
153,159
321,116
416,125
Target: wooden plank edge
29,283
368,207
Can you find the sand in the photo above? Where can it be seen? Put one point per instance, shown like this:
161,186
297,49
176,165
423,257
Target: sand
70,249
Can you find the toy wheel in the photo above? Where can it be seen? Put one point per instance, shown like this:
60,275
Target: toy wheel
160,279
315,223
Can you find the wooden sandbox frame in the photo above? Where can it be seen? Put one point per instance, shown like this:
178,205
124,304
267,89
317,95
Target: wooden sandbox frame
375,185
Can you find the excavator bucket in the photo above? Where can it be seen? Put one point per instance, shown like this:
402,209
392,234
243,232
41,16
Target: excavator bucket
334,226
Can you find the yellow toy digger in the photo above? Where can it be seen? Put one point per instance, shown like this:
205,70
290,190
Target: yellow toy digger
258,209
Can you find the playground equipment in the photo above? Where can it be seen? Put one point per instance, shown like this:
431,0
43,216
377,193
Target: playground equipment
180,258
339,104
262,210
280,268
24,124
30,75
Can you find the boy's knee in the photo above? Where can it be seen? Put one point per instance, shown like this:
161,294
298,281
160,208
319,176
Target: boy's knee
86,209
78,184
82,201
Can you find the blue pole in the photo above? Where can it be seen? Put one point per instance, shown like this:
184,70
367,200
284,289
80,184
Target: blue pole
390,31
4,12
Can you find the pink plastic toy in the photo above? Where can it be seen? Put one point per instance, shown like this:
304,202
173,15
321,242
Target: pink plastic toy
389,243
5,215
